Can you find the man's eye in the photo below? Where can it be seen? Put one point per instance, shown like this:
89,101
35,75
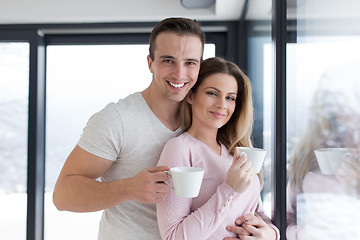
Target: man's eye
168,61
191,63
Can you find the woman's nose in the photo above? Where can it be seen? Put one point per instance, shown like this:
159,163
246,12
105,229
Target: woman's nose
221,103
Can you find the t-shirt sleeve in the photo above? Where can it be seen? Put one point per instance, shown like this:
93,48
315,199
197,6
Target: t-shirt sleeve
102,135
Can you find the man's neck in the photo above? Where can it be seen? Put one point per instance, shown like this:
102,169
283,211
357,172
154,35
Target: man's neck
164,109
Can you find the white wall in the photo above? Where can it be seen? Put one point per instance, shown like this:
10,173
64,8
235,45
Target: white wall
88,11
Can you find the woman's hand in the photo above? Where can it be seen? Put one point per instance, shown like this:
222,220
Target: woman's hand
240,174
349,173
252,227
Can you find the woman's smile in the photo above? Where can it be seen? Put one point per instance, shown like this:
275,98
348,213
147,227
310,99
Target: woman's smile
217,115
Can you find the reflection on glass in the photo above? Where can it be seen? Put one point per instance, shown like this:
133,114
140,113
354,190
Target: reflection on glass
323,113
81,80
14,87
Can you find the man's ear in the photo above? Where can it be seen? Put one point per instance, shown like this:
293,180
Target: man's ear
149,61
189,97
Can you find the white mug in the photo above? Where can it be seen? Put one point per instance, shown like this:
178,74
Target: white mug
186,180
329,159
255,155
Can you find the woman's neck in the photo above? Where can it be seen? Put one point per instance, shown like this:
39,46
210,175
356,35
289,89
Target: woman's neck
207,136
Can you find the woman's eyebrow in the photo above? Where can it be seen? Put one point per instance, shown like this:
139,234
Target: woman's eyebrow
218,90
214,88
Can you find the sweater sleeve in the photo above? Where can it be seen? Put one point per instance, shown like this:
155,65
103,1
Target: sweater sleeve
177,220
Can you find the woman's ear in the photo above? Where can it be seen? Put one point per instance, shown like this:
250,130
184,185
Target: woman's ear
189,97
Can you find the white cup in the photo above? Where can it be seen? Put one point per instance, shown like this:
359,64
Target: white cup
255,155
186,180
329,159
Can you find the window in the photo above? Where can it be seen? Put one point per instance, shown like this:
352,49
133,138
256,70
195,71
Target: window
14,88
323,97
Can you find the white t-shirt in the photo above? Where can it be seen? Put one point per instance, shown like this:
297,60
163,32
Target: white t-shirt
128,133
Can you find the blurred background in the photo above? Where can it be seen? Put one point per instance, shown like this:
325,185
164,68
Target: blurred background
60,62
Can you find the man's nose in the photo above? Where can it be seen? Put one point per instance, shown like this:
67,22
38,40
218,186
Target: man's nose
179,72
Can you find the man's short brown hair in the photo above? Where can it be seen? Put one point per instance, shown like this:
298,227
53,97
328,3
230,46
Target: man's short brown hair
180,26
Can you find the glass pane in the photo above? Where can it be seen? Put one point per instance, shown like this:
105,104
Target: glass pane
267,125
81,80
14,88
259,68
323,97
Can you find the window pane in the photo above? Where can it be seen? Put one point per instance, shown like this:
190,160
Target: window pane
323,96
14,88
81,80
259,68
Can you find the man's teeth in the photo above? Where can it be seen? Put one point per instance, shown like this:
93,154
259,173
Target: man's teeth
177,85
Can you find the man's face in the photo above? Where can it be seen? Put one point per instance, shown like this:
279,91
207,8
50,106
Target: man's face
176,64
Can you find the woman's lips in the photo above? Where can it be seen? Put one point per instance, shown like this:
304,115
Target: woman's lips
217,114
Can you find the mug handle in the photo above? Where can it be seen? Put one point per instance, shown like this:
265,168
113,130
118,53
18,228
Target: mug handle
167,182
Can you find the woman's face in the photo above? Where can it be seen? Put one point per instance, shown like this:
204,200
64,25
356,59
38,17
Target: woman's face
214,102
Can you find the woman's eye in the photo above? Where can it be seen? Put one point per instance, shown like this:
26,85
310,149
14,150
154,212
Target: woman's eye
231,98
211,93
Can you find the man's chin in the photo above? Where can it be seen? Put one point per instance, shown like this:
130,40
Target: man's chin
176,99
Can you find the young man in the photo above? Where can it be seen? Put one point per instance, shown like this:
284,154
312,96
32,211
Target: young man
122,143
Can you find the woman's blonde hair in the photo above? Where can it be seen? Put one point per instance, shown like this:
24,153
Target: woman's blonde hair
332,122
237,131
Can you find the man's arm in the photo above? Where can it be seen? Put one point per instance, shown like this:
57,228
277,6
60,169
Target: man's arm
77,189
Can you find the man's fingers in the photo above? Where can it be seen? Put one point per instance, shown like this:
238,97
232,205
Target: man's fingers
158,169
250,228
161,176
158,173
254,220
238,230
162,188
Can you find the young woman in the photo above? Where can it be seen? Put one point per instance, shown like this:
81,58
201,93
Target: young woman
217,116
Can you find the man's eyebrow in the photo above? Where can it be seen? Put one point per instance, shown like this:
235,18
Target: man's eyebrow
167,56
192,60
187,59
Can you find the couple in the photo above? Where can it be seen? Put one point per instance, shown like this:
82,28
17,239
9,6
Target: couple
122,144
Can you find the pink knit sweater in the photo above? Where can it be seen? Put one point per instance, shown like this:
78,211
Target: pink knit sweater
216,206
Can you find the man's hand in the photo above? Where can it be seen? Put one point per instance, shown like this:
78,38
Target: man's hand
148,185
250,227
